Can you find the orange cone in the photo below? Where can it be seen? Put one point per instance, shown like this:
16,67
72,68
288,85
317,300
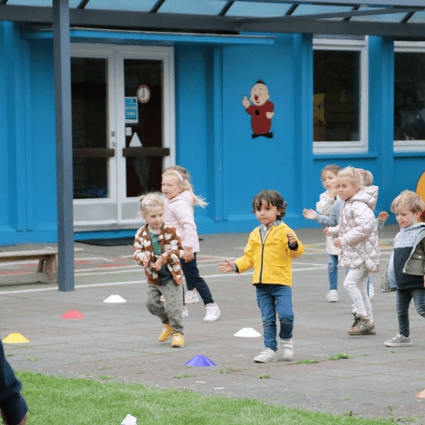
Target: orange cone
73,314
421,394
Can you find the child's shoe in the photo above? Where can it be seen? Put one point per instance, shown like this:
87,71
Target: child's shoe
23,422
287,349
332,296
361,326
371,331
185,312
178,340
166,333
213,312
399,341
266,356
191,297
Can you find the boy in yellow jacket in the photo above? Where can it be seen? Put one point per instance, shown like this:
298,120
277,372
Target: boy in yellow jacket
270,250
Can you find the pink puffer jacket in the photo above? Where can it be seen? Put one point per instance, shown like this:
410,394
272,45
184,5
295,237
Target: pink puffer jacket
179,213
358,232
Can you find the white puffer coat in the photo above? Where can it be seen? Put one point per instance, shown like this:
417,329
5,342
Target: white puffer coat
357,231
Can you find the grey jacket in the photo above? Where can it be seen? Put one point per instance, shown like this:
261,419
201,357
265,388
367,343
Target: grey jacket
416,262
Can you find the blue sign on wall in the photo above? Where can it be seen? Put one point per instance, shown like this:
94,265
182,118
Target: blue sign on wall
131,110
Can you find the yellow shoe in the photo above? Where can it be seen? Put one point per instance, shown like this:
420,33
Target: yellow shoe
165,334
178,340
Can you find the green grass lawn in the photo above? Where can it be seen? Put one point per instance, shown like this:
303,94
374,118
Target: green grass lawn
55,400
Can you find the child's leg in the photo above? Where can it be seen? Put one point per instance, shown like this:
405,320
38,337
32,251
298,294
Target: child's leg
333,271
363,288
283,297
194,280
403,301
419,299
154,304
173,305
266,302
353,279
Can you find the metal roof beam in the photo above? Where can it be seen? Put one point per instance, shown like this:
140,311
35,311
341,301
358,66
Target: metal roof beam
380,3
226,8
353,9
347,14
157,5
82,4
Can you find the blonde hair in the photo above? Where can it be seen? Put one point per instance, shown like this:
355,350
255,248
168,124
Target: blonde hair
352,174
333,168
183,179
151,200
367,177
410,200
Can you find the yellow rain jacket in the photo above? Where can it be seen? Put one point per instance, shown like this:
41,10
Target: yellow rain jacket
271,258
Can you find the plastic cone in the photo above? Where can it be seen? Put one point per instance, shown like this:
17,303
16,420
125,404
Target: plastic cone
200,361
247,333
115,299
15,339
73,314
421,394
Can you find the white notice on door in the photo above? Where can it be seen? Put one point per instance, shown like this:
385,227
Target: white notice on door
135,142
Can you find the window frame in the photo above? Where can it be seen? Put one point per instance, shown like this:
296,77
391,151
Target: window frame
408,47
361,46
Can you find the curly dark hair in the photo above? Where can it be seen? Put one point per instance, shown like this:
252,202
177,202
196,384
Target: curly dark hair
272,198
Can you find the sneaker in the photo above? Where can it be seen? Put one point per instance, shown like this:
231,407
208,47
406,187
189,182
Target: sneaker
332,296
185,312
178,340
162,298
191,297
371,291
399,341
213,312
266,356
361,326
166,333
287,349
371,331
23,422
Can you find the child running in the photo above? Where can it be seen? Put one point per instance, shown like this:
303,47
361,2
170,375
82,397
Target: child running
179,211
357,236
158,248
270,250
408,262
326,201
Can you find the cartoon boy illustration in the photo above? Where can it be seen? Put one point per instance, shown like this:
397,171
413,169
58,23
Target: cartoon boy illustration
261,111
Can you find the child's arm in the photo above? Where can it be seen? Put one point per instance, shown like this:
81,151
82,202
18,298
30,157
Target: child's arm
227,267
141,256
245,262
382,218
331,231
173,247
295,247
326,200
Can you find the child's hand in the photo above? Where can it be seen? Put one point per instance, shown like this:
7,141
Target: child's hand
382,216
326,231
291,238
188,255
145,262
309,214
158,263
338,243
226,267
333,192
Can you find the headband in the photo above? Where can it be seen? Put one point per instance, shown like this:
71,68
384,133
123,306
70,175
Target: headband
176,172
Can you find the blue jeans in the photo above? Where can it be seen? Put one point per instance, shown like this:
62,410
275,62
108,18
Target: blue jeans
272,299
195,281
333,271
404,296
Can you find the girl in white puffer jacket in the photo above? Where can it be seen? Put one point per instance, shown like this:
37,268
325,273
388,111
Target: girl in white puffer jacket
357,238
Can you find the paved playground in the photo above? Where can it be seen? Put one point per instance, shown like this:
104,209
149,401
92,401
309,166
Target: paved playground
118,341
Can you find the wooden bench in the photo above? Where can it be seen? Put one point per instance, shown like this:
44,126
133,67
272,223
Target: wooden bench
46,270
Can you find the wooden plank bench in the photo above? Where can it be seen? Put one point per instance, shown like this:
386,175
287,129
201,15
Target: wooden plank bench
46,270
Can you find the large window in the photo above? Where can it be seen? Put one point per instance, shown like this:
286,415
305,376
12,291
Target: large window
340,95
409,96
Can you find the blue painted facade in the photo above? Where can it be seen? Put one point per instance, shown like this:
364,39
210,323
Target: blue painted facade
213,132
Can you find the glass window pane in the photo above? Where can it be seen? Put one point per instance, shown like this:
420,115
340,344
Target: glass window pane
132,5
192,7
336,100
255,10
89,126
409,96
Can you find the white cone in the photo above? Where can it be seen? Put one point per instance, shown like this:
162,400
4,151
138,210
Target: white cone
115,299
247,333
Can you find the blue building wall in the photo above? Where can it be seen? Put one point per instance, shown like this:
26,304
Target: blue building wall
213,133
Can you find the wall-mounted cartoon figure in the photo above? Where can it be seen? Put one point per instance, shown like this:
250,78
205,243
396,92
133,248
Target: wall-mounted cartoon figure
261,111
319,126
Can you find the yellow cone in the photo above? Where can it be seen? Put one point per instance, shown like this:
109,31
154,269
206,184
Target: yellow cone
15,339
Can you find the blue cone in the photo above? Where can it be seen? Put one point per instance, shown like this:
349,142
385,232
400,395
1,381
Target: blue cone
200,361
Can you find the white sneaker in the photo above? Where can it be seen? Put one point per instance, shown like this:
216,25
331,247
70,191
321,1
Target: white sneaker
333,296
287,349
266,356
353,309
185,312
213,312
371,291
191,297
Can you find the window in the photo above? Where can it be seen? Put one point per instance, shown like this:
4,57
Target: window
340,105
409,96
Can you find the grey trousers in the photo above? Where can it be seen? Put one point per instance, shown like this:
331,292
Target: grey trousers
170,311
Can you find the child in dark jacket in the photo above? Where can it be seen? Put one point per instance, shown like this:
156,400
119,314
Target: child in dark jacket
408,262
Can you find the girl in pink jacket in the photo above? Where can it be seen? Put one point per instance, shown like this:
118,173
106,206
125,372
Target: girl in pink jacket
357,238
179,212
